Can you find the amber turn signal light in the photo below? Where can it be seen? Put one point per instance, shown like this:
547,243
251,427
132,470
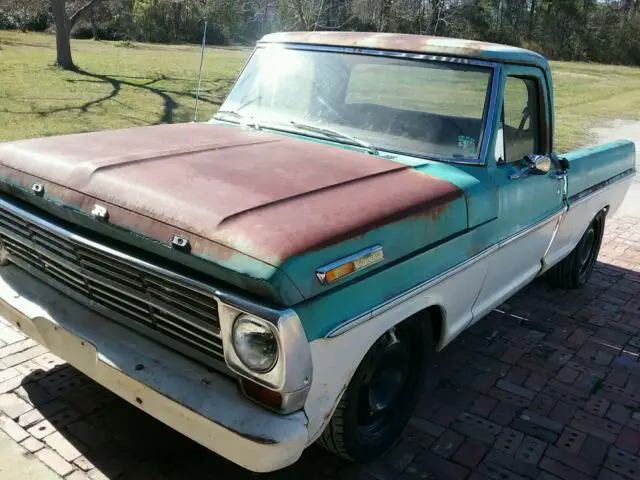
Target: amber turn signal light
339,272
348,265
260,394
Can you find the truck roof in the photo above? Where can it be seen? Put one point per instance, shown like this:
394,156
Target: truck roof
422,44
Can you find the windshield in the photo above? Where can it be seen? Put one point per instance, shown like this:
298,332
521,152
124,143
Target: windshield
394,104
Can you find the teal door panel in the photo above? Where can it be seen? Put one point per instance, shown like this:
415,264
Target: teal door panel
525,130
528,203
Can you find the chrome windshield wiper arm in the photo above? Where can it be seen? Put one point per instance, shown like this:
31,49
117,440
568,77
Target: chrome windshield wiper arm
243,119
336,134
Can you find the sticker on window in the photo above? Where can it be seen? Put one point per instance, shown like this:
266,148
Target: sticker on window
467,144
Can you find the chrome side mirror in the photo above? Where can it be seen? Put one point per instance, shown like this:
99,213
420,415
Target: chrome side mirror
538,164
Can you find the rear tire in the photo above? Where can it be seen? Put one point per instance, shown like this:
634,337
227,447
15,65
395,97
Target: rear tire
576,269
382,394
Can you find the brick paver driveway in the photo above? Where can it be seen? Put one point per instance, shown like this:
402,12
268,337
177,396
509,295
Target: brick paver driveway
546,387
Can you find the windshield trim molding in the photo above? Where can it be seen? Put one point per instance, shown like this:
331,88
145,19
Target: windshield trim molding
489,112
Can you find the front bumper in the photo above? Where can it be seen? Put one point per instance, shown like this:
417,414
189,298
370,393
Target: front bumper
184,395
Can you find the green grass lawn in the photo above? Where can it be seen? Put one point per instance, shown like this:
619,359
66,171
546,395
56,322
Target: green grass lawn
120,86
117,86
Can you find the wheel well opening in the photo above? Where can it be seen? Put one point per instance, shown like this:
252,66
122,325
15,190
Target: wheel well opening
435,315
601,217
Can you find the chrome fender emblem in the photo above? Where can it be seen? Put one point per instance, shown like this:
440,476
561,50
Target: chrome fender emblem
100,212
37,189
180,243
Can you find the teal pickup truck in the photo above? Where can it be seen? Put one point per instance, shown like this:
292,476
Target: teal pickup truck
281,274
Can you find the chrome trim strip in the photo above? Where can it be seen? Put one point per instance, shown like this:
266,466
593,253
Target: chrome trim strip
378,52
555,232
432,156
321,272
579,197
421,287
561,176
490,113
489,110
532,228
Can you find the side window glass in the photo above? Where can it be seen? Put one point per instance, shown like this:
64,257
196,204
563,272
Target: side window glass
521,130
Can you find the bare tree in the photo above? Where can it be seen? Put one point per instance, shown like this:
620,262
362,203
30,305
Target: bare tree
64,23
300,12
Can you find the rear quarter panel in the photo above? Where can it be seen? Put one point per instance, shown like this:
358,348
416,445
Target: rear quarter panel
598,178
592,166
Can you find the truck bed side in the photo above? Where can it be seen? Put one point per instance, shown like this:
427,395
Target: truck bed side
593,168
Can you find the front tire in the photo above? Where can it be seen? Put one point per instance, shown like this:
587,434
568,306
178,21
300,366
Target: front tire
382,394
576,269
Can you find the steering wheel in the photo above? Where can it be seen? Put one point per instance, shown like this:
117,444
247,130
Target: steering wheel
403,124
525,116
332,110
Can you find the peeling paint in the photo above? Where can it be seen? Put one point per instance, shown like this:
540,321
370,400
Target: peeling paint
258,439
412,43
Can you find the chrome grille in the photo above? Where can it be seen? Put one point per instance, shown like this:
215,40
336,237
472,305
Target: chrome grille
141,297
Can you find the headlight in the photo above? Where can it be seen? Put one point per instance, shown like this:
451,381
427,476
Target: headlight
255,343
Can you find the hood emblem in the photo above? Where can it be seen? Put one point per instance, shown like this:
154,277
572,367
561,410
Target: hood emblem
37,189
181,244
100,212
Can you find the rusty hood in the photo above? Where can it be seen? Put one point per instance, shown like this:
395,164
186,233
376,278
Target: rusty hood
263,206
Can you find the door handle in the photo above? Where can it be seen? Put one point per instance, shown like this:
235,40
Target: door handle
523,172
558,174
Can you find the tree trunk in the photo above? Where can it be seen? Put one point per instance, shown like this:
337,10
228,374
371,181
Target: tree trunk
63,45
385,8
265,14
532,17
94,28
303,21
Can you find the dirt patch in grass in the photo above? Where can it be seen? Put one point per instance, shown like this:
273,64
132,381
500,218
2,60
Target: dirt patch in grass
619,129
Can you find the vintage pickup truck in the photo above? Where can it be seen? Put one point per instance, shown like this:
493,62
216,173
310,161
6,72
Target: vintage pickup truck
281,274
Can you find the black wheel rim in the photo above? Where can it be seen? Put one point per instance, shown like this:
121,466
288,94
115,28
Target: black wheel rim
388,382
587,250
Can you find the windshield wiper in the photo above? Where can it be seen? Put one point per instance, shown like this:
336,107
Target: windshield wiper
336,134
243,119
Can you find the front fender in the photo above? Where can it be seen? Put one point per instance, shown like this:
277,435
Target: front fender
336,356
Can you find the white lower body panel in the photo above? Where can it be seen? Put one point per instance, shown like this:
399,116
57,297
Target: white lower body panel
580,214
185,395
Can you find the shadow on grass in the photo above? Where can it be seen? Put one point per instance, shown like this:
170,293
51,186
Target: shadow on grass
13,43
119,439
169,104
116,82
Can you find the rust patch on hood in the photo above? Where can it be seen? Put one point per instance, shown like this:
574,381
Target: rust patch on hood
321,219
261,194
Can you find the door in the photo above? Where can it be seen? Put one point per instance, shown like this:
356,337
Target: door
531,199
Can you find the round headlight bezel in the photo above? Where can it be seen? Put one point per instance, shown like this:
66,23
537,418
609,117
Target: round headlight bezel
249,320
